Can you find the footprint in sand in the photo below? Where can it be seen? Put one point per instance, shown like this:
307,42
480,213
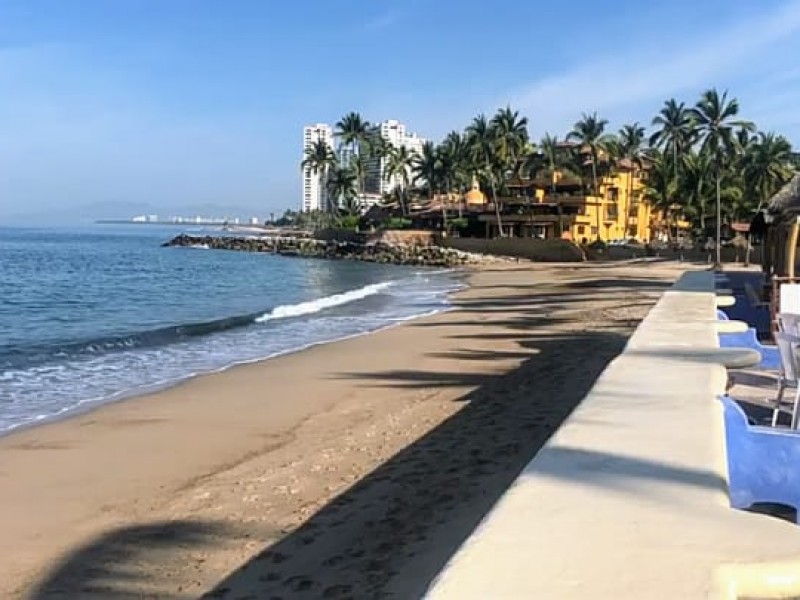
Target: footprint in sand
332,562
336,590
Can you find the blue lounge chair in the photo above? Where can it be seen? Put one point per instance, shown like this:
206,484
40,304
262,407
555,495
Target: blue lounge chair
770,357
763,462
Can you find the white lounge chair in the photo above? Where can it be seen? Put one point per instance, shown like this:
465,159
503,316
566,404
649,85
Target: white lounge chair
789,323
789,376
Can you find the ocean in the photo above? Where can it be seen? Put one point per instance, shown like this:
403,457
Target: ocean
95,314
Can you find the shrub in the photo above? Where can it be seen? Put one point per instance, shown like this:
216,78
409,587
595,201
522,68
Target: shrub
598,245
397,223
350,222
458,223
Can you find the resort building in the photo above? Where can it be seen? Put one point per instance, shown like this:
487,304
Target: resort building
559,207
395,133
314,195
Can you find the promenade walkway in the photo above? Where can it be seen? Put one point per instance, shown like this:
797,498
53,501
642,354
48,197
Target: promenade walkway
629,498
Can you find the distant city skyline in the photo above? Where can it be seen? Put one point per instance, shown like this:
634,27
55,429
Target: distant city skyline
192,102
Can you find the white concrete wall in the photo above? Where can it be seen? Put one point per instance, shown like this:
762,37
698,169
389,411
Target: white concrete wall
628,499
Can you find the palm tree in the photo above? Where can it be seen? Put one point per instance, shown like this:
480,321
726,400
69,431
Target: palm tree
767,165
455,150
481,141
457,168
398,165
428,168
715,116
694,186
425,166
318,160
512,146
676,131
659,185
553,161
377,148
359,166
342,188
355,132
588,132
631,149
510,134
553,158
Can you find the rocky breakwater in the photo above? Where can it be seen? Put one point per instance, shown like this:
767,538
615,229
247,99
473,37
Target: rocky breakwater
397,254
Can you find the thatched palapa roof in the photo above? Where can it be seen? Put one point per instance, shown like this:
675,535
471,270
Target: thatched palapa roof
784,206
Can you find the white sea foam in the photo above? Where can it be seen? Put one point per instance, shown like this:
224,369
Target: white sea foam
50,391
315,306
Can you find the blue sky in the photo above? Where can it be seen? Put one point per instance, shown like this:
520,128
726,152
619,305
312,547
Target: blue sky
176,102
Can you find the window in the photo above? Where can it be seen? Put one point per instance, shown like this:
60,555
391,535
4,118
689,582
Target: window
581,229
594,230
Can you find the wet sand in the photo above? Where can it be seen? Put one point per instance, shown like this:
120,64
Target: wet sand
349,470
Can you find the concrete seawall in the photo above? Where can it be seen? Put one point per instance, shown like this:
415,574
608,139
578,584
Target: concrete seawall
629,498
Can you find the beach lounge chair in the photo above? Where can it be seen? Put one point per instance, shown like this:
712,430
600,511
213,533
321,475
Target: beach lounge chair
763,462
725,301
789,374
770,355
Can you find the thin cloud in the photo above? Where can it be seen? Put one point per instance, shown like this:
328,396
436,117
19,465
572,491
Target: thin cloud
668,67
382,21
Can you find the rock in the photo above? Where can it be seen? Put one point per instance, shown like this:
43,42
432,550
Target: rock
378,252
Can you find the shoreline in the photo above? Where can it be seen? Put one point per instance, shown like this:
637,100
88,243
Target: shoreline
88,406
195,481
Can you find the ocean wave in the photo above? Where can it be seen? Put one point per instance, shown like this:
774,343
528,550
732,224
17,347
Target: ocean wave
12,357
37,390
315,306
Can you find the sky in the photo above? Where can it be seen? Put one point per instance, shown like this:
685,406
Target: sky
185,102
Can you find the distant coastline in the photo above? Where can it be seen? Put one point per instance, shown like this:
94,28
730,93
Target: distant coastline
129,222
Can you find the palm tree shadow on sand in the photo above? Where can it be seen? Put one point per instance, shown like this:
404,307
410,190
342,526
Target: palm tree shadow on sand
389,534
127,563
392,532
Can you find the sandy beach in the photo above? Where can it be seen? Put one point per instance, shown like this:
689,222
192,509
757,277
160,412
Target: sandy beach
348,470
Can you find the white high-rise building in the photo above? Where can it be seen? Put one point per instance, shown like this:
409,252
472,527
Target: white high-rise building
315,196
395,133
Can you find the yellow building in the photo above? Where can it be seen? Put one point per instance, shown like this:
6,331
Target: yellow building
559,207
620,211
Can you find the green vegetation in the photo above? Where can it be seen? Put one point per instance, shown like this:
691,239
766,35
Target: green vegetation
397,223
700,162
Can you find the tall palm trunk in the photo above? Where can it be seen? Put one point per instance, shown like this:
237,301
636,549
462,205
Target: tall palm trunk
323,193
718,264
496,207
402,197
596,192
674,189
675,162
444,213
559,211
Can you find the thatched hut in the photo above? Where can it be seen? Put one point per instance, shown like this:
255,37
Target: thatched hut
780,224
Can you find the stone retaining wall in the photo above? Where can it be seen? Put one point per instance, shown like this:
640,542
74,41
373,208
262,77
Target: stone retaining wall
527,248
